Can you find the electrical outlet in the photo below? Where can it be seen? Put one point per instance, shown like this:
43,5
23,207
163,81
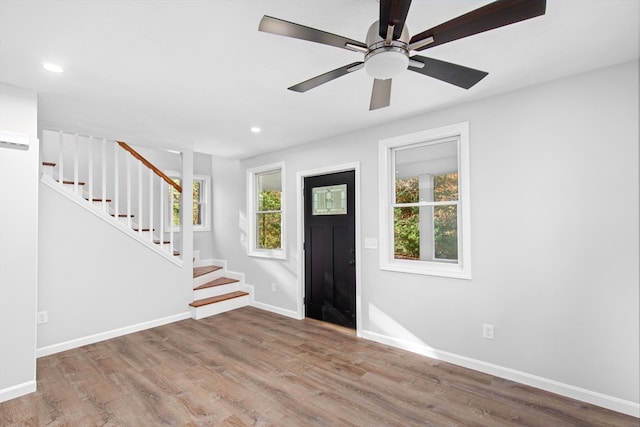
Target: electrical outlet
273,287
43,317
487,331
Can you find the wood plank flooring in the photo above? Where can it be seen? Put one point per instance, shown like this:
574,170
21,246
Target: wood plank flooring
251,367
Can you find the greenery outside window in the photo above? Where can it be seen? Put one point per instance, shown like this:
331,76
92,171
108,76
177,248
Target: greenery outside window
200,200
424,207
265,211
411,213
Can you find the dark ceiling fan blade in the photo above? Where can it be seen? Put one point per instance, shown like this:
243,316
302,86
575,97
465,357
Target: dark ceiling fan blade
393,12
381,94
326,77
281,27
458,75
494,15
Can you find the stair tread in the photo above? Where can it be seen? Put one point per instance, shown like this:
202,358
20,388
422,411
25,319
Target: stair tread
200,271
218,282
219,298
144,229
95,199
48,164
70,182
122,215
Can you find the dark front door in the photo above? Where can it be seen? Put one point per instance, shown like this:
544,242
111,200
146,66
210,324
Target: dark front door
330,257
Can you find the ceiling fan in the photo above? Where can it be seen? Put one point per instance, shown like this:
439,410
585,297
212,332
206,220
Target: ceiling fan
388,44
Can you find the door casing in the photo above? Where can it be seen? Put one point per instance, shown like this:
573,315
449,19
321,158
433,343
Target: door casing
300,176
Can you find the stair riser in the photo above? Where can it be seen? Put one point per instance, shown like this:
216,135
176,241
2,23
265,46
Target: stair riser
214,291
71,188
201,280
100,206
125,220
49,171
145,234
219,307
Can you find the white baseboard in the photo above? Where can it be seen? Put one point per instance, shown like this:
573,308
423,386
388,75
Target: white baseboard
588,396
17,391
272,308
79,342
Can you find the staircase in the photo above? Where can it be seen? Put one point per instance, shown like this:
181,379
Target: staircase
50,176
216,290
115,182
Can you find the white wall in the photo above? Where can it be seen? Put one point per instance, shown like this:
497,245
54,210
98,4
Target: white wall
18,245
203,240
97,282
554,202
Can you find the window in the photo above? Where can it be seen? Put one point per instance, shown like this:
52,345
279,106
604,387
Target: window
265,211
200,197
424,204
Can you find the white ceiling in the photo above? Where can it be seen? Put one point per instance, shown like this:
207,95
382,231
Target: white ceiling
198,74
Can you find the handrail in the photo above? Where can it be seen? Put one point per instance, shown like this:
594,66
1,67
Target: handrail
148,164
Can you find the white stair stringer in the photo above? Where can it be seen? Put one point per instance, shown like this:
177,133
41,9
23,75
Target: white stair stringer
105,205
121,224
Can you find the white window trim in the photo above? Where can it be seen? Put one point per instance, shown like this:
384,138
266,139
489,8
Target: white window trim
461,269
206,195
252,250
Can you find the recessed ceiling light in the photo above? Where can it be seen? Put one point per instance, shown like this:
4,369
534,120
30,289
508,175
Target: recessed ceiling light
54,68
255,129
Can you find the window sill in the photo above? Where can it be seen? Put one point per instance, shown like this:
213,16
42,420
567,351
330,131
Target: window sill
426,268
273,254
178,230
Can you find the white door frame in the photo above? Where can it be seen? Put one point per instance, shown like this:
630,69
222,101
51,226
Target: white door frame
300,176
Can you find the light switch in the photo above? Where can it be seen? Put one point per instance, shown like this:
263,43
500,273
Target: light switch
370,243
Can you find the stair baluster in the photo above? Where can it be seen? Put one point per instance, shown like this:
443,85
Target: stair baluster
170,209
162,191
104,174
116,179
151,205
61,158
140,194
75,164
90,170
128,169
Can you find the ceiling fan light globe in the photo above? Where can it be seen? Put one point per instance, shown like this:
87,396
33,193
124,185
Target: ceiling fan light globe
386,64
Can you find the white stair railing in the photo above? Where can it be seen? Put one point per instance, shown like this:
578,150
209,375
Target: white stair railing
84,151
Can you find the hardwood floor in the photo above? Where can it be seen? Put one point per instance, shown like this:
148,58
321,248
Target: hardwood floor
251,367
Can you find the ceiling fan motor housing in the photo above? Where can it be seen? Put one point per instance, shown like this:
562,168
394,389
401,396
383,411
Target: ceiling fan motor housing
386,60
